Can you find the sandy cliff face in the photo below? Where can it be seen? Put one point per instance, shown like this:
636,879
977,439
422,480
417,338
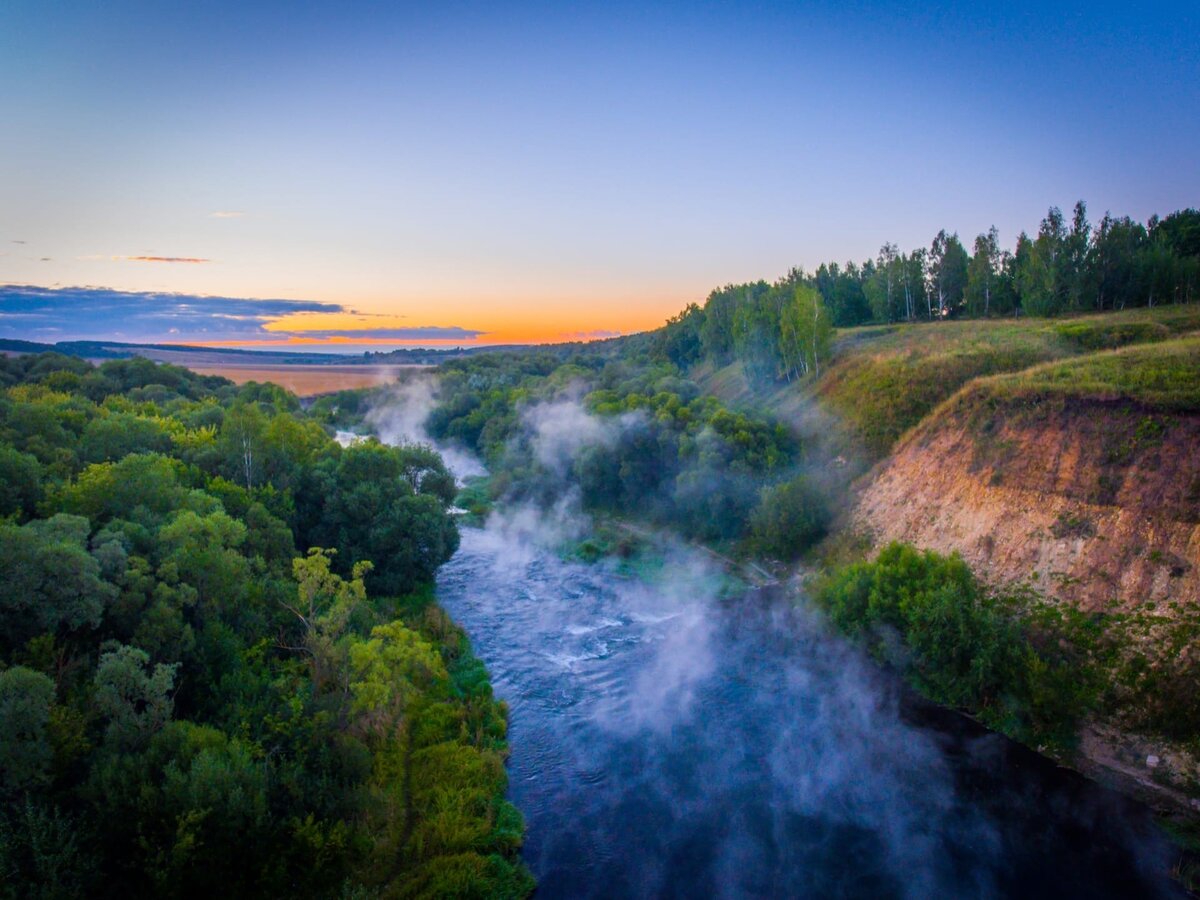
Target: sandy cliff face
1094,502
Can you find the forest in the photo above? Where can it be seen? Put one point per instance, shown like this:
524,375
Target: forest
783,330
629,434
221,667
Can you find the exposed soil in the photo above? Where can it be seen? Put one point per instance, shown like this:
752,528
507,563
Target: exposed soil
1092,502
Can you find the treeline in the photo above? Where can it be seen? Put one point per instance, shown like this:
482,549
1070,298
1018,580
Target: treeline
632,437
783,330
221,670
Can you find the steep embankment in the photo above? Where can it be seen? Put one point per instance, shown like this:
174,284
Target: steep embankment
1081,477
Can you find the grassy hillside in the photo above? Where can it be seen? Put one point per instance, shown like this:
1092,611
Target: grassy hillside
1161,376
883,380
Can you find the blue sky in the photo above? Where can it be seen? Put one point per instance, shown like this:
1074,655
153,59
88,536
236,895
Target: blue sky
539,171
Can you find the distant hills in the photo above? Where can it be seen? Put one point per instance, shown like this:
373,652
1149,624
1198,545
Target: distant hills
182,354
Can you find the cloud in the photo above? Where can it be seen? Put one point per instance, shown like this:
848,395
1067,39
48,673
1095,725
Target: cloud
226,214
593,335
164,259
101,257
420,333
19,242
94,313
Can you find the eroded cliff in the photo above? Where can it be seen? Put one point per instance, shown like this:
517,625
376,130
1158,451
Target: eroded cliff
1092,501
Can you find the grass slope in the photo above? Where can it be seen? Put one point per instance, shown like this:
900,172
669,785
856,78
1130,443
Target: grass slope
883,380
1162,376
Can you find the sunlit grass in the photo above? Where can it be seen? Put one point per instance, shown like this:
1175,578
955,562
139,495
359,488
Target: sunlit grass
1164,376
884,380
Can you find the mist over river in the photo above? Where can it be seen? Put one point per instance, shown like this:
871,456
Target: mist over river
669,743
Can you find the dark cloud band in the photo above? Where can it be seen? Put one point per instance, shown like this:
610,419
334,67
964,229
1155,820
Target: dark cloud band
194,260
420,333
87,313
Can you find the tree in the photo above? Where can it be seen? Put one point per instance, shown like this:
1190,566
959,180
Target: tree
789,518
883,287
189,808
947,273
680,340
426,473
142,487
1180,230
49,583
25,752
387,671
324,604
982,273
108,438
134,698
756,332
43,853
367,510
285,445
1020,271
806,333
241,443
1041,276
20,482
914,273
202,551
716,332
1004,292
1114,271
1073,269
842,290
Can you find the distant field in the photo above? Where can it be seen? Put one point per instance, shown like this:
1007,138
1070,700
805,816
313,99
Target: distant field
306,381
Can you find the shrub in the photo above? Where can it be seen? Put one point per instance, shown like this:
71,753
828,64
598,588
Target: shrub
789,518
963,646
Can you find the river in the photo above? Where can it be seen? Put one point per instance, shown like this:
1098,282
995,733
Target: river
668,742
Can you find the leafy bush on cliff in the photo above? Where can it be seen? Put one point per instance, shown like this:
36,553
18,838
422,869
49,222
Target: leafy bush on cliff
961,645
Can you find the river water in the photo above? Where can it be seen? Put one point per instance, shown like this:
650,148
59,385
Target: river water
670,742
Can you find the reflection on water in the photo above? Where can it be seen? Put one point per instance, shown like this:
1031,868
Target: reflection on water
666,743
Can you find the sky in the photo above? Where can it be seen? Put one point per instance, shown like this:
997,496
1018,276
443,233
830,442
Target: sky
457,173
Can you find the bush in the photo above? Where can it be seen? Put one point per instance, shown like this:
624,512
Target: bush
789,518
963,646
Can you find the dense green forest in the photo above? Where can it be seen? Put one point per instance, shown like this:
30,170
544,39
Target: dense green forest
637,439
783,330
221,669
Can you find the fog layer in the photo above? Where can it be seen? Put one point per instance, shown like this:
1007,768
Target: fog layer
670,741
